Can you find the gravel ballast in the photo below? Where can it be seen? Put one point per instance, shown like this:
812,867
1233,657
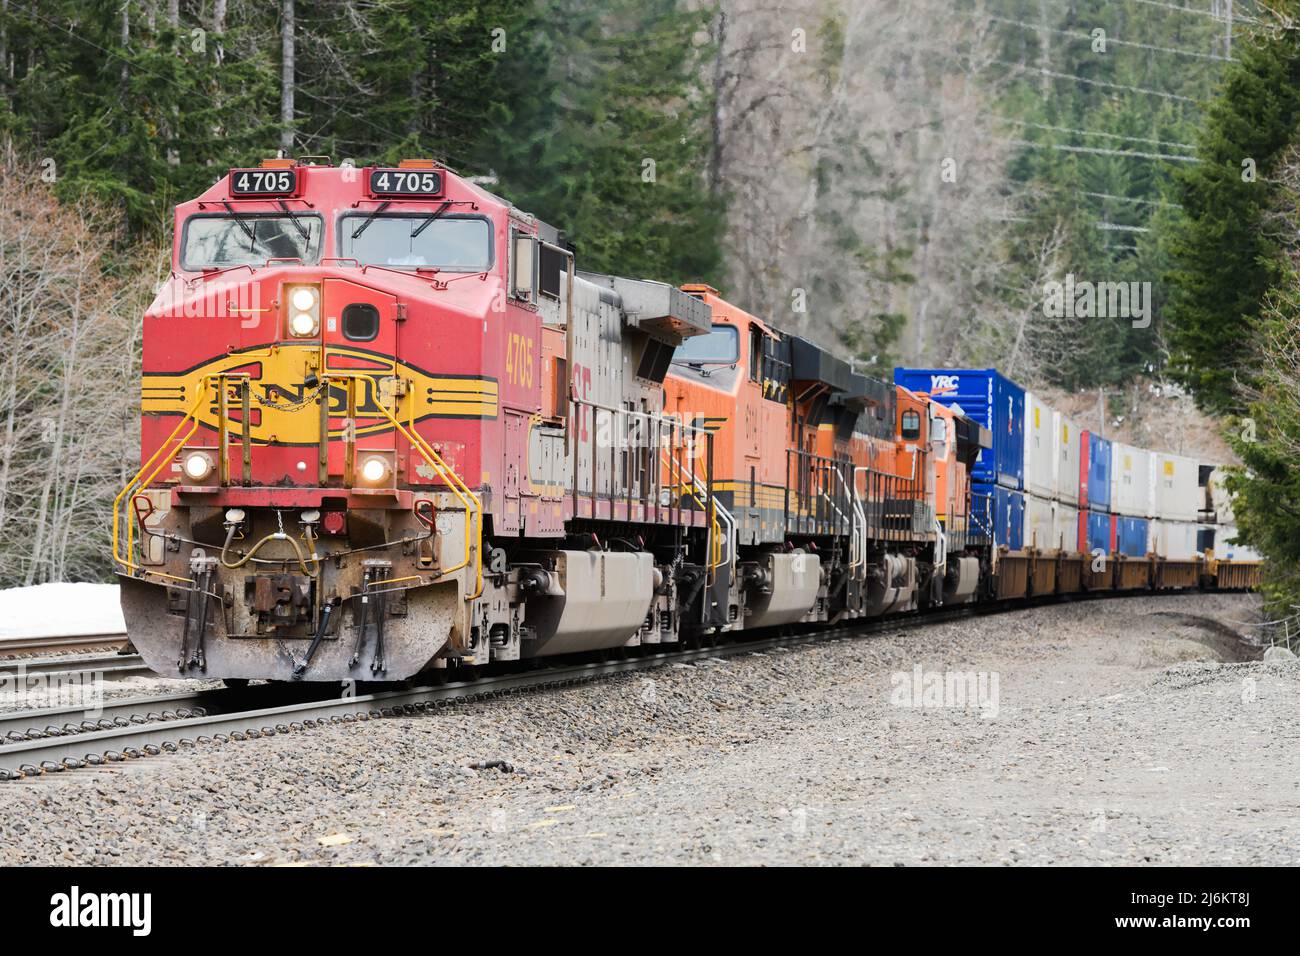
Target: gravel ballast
1127,731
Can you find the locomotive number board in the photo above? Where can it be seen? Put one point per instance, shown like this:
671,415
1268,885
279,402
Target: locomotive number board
405,182
263,182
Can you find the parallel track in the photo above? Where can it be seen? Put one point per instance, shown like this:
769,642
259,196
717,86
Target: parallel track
20,647
110,665
46,741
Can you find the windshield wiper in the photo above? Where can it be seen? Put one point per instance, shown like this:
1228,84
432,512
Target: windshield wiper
302,230
248,231
431,220
371,218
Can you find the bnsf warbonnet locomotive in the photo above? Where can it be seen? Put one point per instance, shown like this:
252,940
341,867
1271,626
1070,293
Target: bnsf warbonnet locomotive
388,426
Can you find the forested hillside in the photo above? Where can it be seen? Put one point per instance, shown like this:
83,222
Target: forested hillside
901,179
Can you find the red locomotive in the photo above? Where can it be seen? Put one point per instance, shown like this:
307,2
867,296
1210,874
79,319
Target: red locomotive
388,427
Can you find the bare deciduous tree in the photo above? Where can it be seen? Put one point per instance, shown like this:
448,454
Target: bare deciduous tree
69,386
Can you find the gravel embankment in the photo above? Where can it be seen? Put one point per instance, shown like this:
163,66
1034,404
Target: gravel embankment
1123,731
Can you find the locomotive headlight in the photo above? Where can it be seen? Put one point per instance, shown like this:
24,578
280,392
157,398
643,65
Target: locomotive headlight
374,470
197,465
303,298
304,310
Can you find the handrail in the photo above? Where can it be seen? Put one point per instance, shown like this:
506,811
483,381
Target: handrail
170,445
858,540
698,491
158,460
473,507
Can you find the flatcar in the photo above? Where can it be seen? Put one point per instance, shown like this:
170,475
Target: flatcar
390,427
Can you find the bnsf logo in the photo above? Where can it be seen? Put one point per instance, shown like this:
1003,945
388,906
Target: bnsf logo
942,383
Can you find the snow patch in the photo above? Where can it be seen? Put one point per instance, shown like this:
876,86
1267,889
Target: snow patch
60,610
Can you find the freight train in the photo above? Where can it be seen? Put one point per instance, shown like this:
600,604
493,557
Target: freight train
389,427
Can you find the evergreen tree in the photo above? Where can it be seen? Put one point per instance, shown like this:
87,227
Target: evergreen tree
615,154
1104,93
1223,261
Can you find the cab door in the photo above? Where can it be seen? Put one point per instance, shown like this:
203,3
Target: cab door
359,337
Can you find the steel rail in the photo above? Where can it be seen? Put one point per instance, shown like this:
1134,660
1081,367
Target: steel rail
49,668
20,647
48,754
52,753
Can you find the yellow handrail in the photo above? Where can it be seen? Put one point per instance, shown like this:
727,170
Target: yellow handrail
473,508
135,483
716,561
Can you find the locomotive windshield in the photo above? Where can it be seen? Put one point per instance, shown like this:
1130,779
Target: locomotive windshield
450,243
719,347
219,242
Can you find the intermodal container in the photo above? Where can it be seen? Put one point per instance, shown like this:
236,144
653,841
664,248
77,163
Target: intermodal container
1175,540
1177,492
1094,472
1040,450
1130,481
999,513
1133,536
1228,547
1065,439
989,398
1040,530
1095,528
1065,526
1008,518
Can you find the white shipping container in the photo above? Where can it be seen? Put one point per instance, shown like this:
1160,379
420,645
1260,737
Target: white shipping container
1225,546
1176,487
1039,524
1066,479
1175,540
1066,526
1130,481
1040,465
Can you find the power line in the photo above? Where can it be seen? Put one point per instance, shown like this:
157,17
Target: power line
1116,227
1083,79
1109,39
1235,18
1088,132
1143,202
1099,151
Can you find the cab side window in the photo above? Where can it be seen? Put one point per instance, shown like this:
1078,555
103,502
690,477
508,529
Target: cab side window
523,266
911,425
756,342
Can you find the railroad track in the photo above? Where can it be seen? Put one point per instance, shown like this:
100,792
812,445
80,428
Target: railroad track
43,741
109,666
21,647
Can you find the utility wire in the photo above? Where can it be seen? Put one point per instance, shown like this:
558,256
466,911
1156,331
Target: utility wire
1084,79
1116,227
1236,17
1099,151
1143,202
1088,132
1038,27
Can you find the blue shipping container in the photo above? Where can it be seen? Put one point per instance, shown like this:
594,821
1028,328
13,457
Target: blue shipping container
1098,532
1099,469
1006,527
1133,536
989,398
